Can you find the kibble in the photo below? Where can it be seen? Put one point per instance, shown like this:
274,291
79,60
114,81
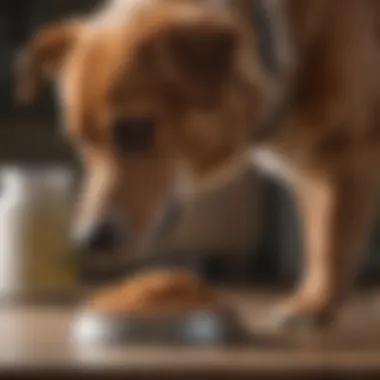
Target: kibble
156,292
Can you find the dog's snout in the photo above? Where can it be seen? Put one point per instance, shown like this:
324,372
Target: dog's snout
102,237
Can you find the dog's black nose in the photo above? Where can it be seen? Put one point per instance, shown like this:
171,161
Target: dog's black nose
102,237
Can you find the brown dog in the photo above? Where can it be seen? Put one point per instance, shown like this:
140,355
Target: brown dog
169,97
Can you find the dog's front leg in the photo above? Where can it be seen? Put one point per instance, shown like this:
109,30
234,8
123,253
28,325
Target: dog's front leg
336,212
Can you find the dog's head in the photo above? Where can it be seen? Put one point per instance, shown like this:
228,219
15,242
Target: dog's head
158,98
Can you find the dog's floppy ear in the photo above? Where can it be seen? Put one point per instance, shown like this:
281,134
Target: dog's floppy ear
42,58
196,53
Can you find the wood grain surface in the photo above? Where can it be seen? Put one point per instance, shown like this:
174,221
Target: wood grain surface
35,341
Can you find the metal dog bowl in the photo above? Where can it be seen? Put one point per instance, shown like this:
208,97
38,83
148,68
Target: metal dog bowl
196,328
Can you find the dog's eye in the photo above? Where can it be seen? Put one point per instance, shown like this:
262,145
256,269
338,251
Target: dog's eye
134,135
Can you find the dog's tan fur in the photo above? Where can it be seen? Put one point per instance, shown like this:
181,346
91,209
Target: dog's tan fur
131,62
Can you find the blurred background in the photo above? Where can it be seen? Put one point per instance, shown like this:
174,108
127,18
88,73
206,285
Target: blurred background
247,232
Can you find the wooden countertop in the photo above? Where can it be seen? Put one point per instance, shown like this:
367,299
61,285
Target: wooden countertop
35,341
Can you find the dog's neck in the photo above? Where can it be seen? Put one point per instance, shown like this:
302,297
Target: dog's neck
284,49
268,20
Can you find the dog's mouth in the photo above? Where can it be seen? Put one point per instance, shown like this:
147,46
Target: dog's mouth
114,242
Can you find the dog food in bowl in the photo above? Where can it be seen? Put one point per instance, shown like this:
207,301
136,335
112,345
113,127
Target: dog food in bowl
158,307
157,292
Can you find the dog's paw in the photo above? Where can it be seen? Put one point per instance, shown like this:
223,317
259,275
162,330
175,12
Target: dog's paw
303,315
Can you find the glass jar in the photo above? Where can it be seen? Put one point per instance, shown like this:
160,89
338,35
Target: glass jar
35,212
